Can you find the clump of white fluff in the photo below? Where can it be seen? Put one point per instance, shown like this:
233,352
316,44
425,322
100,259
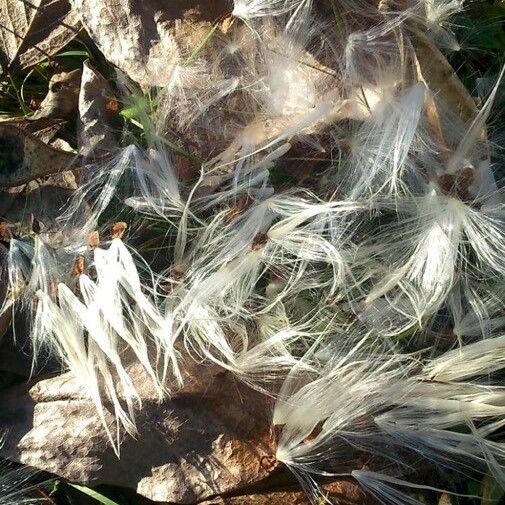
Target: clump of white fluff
360,286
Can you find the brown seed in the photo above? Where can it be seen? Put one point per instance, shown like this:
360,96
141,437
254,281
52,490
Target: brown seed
118,229
446,183
464,179
94,240
243,202
344,145
35,224
112,105
458,185
226,24
259,241
318,428
277,430
79,265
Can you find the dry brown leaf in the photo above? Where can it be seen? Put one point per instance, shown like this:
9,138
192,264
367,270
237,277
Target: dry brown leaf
96,113
61,145
43,199
144,38
211,439
62,97
23,157
45,129
343,491
440,77
31,31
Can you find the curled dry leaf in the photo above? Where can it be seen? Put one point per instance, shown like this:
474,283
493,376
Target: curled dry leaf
434,69
43,199
144,38
32,31
63,96
23,157
343,491
96,113
45,129
211,439
62,145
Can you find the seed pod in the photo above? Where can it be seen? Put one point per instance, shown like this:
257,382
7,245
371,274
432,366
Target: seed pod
94,240
35,224
79,265
118,229
259,241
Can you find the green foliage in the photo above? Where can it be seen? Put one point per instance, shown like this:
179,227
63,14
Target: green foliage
94,494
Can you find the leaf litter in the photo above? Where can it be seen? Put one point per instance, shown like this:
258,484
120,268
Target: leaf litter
277,249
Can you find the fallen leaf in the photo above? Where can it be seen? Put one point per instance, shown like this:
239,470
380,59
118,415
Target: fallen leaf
23,157
43,199
96,113
343,491
437,73
210,439
63,96
144,39
62,145
31,31
45,129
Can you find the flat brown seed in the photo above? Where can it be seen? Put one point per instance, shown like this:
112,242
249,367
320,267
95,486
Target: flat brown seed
446,184
259,241
118,229
35,225
79,265
94,240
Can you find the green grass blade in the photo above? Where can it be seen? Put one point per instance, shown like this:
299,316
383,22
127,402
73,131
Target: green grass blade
94,494
192,57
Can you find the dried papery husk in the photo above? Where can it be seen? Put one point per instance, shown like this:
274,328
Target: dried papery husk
211,438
